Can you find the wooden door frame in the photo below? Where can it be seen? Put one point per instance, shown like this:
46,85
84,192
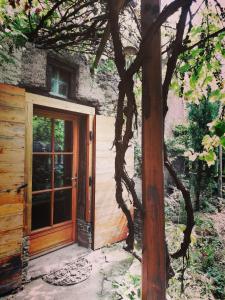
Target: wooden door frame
49,104
67,116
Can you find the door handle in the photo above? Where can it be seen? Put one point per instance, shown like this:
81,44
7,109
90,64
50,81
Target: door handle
74,178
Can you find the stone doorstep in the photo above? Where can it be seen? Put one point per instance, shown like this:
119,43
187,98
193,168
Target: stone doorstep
42,265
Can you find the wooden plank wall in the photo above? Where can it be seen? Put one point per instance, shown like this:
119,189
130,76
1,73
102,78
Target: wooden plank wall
110,224
12,139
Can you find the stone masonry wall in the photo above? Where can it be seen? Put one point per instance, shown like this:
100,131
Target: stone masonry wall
33,67
84,232
11,72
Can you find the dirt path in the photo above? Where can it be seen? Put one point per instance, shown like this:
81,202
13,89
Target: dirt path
219,223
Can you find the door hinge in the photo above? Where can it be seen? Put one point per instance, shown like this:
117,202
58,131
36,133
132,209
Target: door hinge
91,135
90,181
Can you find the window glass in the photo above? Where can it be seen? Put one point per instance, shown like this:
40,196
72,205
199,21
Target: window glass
62,206
63,170
59,82
42,172
63,136
41,210
42,127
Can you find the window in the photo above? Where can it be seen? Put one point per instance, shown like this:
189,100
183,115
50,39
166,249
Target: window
59,82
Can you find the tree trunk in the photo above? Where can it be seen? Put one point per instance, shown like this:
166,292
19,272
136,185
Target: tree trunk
153,267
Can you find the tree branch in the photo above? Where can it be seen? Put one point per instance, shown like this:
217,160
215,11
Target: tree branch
176,50
188,206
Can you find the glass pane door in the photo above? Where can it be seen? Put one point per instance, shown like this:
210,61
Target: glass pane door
52,171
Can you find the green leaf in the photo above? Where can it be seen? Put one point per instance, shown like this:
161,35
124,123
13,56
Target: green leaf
216,95
193,81
222,141
183,69
219,128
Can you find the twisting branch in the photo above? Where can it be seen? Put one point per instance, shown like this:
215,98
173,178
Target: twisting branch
124,122
203,41
176,50
188,206
163,16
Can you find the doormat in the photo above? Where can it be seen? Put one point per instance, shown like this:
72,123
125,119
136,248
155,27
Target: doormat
73,273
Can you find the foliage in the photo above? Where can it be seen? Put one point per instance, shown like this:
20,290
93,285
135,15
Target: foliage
210,251
129,288
206,265
106,66
52,24
199,78
201,175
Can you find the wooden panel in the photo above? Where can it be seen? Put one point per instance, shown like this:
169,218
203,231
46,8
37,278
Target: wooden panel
59,104
12,100
10,273
43,241
10,197
11,222
11,130
13,156
12,141
10,242
12,114
11,90
109,220
11,209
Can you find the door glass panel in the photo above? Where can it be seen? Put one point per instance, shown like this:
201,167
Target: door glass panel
42,172
41,210
42,128
62,206
63,170
63,136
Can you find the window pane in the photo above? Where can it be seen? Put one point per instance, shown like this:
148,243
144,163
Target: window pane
41,210
59,82
62,206
63,170
41,172
41,134
64,76
54,86
63,136
63,89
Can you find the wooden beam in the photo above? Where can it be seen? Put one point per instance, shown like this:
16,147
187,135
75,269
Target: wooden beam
59,104
153,266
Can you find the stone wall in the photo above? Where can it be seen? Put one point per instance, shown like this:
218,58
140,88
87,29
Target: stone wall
84,234
29,70
11,72
109,87
25,258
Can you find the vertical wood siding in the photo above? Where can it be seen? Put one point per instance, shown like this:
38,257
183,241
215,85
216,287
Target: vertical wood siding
110,223
12,139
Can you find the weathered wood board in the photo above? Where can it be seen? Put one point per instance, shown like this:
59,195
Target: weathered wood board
12,143
110,223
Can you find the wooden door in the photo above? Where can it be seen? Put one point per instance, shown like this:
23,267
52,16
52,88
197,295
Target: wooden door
54,180
110,224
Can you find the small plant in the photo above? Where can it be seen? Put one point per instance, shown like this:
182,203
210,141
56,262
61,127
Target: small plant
129,288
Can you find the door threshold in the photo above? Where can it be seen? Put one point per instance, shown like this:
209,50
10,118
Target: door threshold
50,250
